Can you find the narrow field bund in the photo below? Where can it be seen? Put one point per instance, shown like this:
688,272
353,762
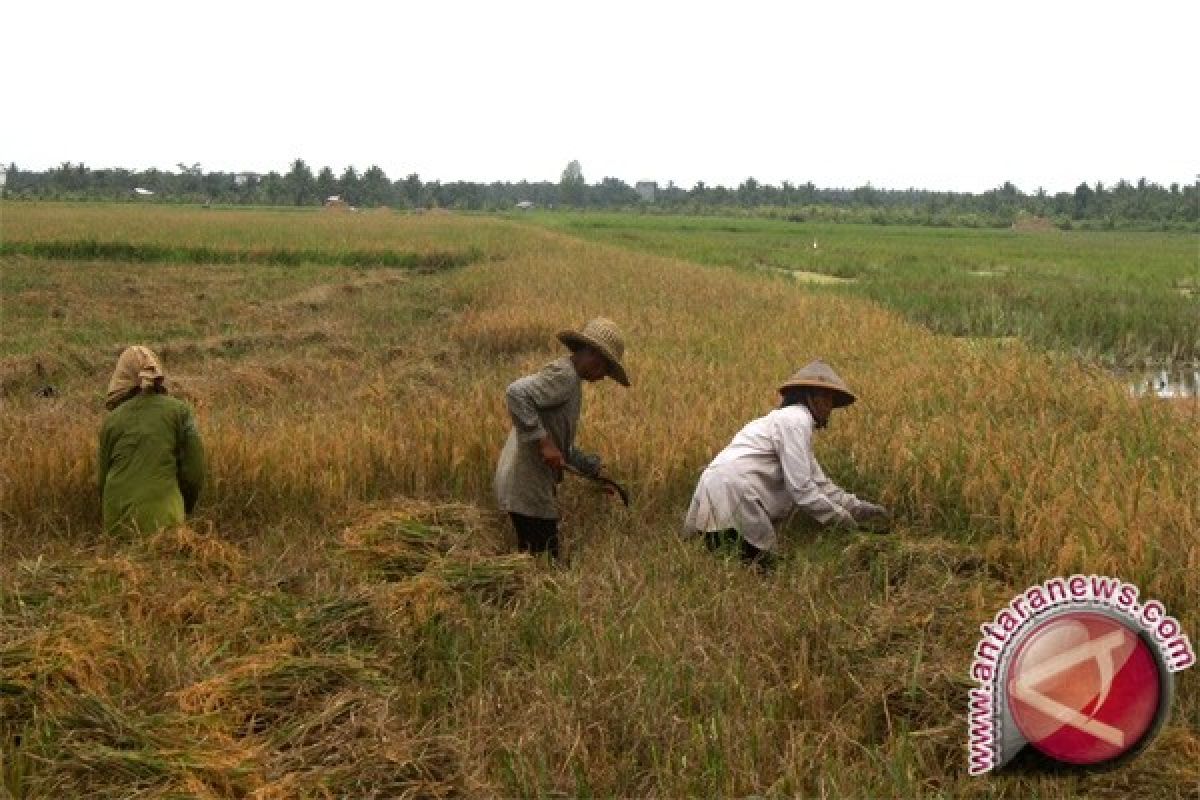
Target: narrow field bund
144,253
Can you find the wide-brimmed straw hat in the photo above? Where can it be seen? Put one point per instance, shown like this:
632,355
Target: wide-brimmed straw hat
603,336
819,375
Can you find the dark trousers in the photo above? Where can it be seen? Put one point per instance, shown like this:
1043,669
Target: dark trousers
718,541
536,534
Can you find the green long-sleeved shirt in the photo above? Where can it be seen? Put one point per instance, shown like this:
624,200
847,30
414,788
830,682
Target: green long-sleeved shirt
151,463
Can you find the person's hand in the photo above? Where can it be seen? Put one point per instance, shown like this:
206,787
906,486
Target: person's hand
842,519
870,512
552,457
873,518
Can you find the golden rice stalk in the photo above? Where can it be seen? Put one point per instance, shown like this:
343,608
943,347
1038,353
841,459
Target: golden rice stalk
205,550
342,622
80,652
214,693
409,605
402,540
356,745
100,749
273,685
493,577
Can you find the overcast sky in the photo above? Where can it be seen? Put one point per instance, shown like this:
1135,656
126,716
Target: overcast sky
956,95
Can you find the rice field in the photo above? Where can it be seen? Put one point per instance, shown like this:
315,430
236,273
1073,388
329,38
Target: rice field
344,617
1117,299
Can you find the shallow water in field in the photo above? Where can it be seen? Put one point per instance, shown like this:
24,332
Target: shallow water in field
1170,383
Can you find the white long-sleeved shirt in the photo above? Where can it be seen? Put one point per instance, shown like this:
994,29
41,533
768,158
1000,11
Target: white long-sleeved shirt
767,472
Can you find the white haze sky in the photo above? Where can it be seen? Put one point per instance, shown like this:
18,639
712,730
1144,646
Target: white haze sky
941,95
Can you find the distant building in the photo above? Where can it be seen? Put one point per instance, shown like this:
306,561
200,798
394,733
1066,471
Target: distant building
646,190
242,178
142,192
525,205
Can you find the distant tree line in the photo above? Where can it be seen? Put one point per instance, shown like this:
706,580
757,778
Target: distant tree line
1123,205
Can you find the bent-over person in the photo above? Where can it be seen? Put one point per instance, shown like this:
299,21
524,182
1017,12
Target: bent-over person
545,409
151,460
769,471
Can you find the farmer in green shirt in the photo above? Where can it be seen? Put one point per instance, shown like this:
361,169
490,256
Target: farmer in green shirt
545,408
151,461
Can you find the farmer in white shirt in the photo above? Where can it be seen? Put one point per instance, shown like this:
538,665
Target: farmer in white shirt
768,471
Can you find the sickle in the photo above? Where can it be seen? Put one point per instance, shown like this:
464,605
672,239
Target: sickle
621,491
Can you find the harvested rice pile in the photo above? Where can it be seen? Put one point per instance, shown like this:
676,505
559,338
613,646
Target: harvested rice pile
447,546
180,665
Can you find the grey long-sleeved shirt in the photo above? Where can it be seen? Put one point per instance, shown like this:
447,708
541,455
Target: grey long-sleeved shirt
546,403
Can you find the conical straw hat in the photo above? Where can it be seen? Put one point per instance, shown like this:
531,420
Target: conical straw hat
604,337
820,375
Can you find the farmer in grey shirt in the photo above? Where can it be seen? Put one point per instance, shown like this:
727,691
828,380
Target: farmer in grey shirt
545,409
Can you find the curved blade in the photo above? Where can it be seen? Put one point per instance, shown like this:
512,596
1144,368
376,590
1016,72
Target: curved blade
621,491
